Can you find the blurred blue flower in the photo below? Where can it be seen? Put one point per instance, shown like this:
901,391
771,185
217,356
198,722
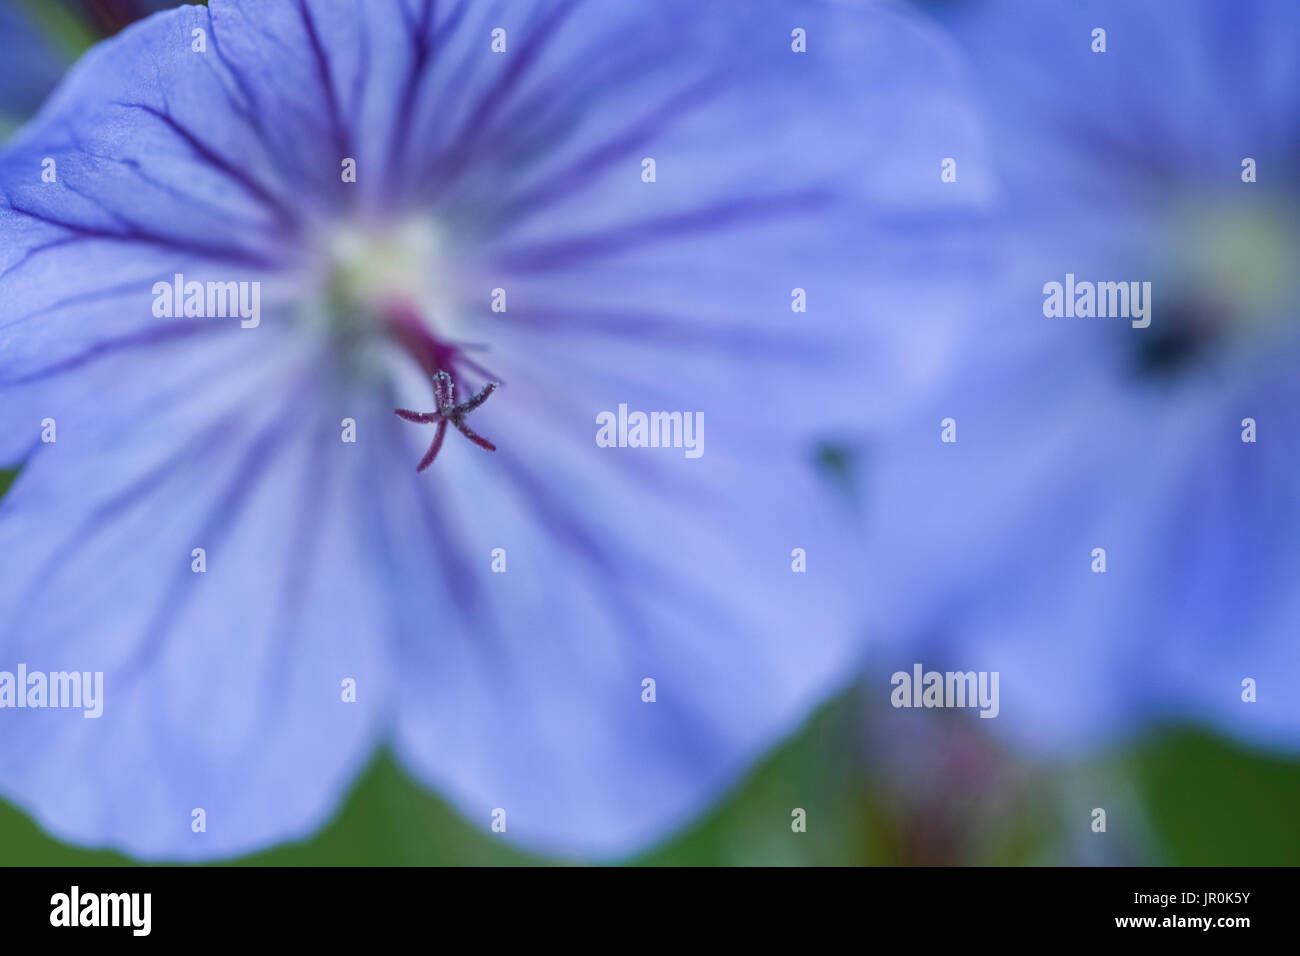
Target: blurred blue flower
503,225
1075,434
32,65
36,50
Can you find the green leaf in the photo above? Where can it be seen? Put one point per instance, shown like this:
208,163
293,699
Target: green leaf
818,771
1214,804
22,843
390,820
7,476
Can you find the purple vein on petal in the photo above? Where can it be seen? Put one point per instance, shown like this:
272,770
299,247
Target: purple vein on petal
222,517
93,295
102,518
248,111
480,632
421,49
646,579
462,583
545,116
655,476
119,220
123,222
257,190
190,199
358,92
449,167
33,251
299,563
422,57
575,250
155,335
577,174
520,62
83,232
339,132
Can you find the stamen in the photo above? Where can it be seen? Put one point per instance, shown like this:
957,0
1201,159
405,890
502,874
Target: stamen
420,418
435,357
444,393
475,437
481,397
444,390
432,453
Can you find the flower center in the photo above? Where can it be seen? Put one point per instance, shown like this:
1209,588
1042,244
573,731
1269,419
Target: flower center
396,284
391,283
371,268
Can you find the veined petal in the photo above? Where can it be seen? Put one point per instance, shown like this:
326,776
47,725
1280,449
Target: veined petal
222,687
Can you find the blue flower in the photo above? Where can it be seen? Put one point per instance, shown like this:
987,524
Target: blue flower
1103,531
35,50
32,66
597,205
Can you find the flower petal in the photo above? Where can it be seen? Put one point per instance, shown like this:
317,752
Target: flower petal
221,689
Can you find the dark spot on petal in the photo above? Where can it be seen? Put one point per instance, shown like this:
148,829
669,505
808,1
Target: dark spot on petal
1177,340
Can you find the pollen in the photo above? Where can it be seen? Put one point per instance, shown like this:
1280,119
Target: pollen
448,413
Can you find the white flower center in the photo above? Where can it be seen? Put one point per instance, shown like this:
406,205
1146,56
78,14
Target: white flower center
370,269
